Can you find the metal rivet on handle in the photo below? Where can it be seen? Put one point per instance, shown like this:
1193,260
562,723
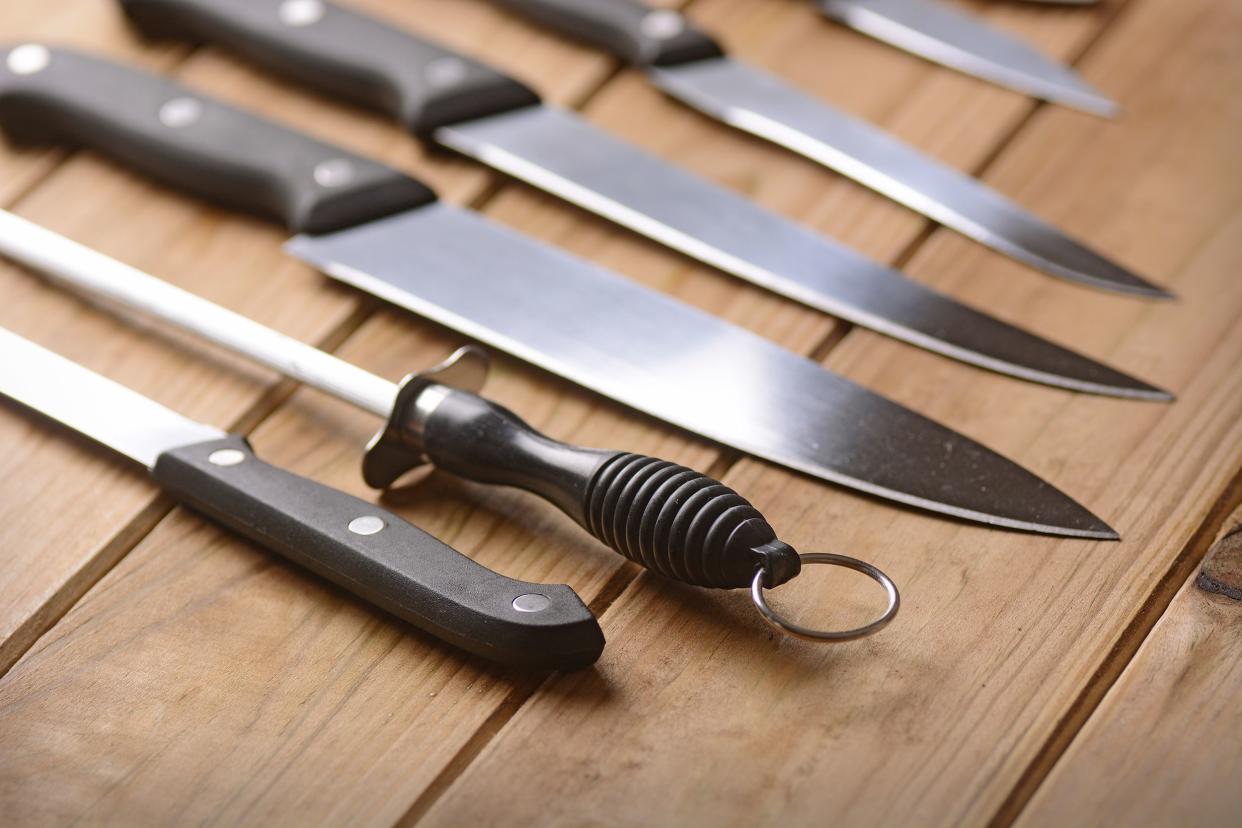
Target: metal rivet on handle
28,59
366,525
663,24
179,113
226,457
335,172
531,602
301,12
445,71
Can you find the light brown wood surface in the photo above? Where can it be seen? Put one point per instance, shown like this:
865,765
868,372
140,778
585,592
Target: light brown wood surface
195,678
1164,747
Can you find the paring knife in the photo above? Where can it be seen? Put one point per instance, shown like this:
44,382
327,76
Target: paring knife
468,107
666,517
370,552
371,226
943,35
761,104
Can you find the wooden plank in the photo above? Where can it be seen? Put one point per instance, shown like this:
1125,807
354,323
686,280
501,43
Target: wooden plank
546,61
936,720
68,511
252,694
1163,748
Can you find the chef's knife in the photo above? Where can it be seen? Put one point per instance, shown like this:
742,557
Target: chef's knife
371,226
951,38
468,107
761,104
371,552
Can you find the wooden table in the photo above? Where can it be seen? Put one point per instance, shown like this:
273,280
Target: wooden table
159,670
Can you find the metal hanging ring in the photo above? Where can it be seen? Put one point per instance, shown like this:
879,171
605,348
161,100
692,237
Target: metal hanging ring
828,636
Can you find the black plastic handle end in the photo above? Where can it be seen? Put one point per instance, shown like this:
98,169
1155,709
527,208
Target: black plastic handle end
384,559
628,29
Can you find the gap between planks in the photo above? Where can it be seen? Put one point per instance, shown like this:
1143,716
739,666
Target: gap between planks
1079,712
624,578
114,550
1120,654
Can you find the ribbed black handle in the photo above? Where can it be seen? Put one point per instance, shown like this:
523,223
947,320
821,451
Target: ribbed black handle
194,143
631,30
344,53
668,518
383,558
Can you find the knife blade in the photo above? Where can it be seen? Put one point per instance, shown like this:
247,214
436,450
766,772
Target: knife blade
943,35
374,227
369,551
484,115
665,517
761,104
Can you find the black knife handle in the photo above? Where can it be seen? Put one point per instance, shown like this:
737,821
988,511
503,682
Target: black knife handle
668,518
383,559
361,59
194,143
629,29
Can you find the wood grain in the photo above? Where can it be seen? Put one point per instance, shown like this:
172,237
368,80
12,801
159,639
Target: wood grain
936,721
67,510
1163,748
203,680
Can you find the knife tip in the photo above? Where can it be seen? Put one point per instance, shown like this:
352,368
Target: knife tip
1099,106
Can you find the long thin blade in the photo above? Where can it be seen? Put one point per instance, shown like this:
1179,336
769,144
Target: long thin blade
763,105
950,38
559,152
682,366
108,413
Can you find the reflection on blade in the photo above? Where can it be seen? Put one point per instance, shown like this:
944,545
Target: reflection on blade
108,413
682,366
559,152
765,106
950,38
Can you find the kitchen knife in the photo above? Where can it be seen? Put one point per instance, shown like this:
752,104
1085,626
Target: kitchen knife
468,107
371,226
951,38
761,104
371,552
665,517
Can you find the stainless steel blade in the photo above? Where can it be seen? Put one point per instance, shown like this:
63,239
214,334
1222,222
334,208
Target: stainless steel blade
95,406
763,105
559,152
682,366
951,38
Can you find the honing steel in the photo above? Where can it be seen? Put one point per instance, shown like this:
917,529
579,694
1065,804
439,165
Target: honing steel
954,39
371,552
666,517
696,71
468,107
369,225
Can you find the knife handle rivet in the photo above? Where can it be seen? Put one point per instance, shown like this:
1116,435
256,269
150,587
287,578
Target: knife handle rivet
663,24
226,457
366,525
531,602
28,59
301,12
335,172
445,71
179,113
